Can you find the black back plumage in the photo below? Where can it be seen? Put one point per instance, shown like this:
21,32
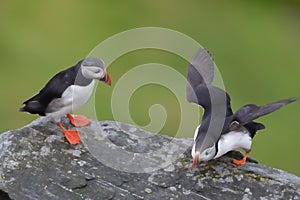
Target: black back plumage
216,104
52,90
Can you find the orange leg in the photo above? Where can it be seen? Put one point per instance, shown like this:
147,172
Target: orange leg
242,161
72,136
78,120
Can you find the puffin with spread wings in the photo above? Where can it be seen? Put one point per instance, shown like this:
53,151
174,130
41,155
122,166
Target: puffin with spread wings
221,130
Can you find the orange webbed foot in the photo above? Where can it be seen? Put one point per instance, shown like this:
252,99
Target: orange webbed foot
72,136
78,120
242,161
239,162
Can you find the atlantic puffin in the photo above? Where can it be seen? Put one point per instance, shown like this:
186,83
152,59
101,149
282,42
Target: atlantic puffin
221,130
67,91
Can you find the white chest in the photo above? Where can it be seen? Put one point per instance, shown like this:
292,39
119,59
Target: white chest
194,145
73,97
78,95
232,141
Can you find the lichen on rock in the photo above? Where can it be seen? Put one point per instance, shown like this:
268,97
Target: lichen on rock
37,163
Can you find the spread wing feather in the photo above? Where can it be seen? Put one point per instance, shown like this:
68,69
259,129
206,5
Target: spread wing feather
250,112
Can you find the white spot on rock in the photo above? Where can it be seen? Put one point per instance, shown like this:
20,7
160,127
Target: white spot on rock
229,179
186,191
75,153
28,166
81,163
170,168
25,153
247,190
148,190
200,184
52,138
132,129
45,151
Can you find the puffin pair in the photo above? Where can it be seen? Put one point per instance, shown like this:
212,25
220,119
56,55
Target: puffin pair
221,130
67,91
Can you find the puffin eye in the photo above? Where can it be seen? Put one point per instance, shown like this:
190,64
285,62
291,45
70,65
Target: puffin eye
97,70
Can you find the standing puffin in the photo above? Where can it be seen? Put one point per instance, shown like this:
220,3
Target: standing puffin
221,130
67,91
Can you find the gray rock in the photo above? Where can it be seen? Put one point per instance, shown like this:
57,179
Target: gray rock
119,161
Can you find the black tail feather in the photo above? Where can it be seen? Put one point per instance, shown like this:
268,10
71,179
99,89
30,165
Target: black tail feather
33,107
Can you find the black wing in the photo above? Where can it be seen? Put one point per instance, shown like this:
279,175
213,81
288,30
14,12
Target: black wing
200,72
52,90
214,100
199,79
250,112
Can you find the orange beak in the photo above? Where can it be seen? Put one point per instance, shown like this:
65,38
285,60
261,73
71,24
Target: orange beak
106,79
197,154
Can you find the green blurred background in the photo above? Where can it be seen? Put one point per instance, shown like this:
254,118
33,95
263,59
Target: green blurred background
255,45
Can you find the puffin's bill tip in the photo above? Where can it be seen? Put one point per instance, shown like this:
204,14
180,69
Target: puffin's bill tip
197,154
108,79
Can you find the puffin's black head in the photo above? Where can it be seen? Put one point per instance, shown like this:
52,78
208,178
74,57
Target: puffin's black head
94,68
